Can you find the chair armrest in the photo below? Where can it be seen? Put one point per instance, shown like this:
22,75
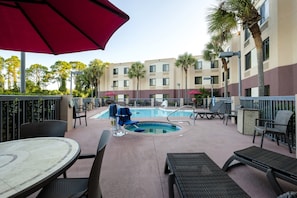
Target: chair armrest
87,156
258,120
272,123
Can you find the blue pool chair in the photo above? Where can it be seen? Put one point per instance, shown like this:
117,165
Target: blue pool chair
124,115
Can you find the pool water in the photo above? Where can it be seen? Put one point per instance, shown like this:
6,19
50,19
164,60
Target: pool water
150,113
154,127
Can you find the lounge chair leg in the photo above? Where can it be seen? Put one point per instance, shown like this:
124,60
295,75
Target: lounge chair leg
262,139
170,185
273,182
254,136
166,169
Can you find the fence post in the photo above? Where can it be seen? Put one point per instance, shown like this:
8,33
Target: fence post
295,120
66,111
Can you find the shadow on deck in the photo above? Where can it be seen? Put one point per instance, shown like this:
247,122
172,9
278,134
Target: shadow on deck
133,164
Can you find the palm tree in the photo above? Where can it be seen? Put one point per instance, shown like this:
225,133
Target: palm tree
137,71
186,61
98,68
228,15
212,49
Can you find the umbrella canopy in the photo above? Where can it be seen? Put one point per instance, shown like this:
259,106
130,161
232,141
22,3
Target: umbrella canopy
58,26
110,93
194,92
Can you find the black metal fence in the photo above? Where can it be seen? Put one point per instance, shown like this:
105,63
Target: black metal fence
268,107
16,110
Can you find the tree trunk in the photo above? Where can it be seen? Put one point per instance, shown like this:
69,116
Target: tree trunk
226,84
256,32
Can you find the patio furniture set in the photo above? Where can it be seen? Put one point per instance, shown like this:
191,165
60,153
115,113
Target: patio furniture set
196,175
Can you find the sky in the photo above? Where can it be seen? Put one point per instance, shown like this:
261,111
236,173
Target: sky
156,29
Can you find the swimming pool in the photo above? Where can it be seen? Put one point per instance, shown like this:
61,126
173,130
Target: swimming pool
149,113
153,127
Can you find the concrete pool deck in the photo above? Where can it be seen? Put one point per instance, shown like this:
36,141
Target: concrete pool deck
133,164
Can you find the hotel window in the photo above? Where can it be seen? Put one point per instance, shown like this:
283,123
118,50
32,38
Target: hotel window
214,64
215,79
165,81
247,33
248,61
198,65
115,71
152,68
248,92
115,83
126,83
264,12
198,80
152,95
165,67
152,82
126,69
266,49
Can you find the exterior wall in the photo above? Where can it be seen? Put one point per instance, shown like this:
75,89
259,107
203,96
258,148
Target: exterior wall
279,69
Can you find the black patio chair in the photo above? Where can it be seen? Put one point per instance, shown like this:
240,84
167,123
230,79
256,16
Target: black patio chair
79,113
46,128
79,187
277,127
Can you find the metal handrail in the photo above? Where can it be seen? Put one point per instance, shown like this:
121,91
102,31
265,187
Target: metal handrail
180,108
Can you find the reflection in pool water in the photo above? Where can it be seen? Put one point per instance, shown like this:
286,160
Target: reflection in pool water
150,113
154,127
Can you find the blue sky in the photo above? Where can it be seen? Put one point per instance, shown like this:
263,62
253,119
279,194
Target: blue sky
157,29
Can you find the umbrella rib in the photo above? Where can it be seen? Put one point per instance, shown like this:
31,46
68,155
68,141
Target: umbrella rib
118,13
75,26
34,26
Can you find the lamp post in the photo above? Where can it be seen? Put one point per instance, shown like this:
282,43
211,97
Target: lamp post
71,76
238,54
211,83
178,90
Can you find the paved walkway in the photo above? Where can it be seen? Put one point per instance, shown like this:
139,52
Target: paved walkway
133,164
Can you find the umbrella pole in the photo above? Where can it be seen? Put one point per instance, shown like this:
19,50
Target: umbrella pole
23,68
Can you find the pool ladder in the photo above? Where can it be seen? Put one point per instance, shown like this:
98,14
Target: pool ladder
181,121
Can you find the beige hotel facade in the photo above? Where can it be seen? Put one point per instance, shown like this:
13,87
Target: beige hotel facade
164,80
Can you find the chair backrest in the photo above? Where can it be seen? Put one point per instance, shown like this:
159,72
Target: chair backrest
218,105
46,128
283,117
124,115
94,189
79,112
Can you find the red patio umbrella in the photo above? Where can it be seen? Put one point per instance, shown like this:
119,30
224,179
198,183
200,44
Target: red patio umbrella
110,93
194,92
58,26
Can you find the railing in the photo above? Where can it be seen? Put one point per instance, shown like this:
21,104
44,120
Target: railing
181,108
16,110
268,107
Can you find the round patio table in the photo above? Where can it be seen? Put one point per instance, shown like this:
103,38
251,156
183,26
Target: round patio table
27,165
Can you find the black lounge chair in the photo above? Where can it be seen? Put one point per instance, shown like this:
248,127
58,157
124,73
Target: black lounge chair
275,165
277,127
218,109
196,175
79,187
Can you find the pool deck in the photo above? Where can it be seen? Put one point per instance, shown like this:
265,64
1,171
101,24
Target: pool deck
133,165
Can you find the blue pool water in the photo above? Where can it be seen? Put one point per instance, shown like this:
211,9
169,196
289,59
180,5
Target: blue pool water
150,113
154,127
